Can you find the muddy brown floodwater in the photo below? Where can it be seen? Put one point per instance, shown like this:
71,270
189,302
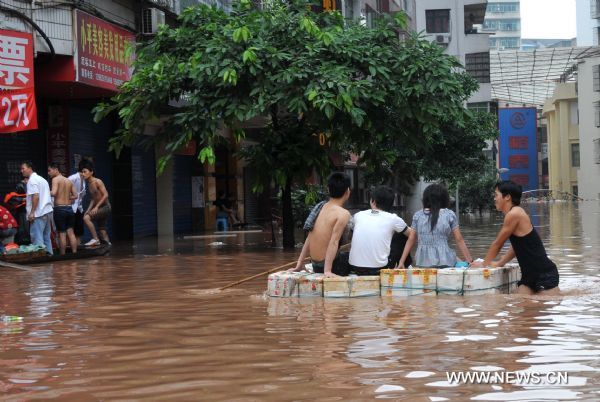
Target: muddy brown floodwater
135,326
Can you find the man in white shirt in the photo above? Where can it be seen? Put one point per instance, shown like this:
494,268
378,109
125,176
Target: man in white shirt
80,188
373,233
39,207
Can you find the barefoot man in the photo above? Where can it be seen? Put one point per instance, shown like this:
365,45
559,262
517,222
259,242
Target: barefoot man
64,194
538,273
323,241
99,209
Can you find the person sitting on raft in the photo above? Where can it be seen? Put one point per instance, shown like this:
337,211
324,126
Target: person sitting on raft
431,228
372,246
539,274
323,240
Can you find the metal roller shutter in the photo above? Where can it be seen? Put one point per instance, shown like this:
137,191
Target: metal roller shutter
143,179
16,148
90,139
182,194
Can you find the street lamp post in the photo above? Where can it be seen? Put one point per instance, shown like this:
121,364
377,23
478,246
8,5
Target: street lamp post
503,170
457,206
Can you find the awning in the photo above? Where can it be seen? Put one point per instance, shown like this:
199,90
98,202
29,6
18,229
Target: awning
525,77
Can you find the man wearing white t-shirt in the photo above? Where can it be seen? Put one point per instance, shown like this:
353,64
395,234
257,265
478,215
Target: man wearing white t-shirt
80,188
373,233
39,207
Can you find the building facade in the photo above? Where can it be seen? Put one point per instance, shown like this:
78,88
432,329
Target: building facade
458,27
503,23
588,91
562,116
80,60
588,25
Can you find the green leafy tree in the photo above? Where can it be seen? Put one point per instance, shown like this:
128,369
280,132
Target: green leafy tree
308,73
476,188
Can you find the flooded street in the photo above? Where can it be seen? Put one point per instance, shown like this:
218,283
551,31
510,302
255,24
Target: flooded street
135,326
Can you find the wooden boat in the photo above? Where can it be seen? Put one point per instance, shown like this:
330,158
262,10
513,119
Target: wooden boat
41,257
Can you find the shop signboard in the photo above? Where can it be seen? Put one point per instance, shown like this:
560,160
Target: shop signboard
101,60
18,111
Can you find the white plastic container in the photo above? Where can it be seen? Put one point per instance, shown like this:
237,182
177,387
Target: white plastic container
351,286
408,282
472,281
310,285
284,284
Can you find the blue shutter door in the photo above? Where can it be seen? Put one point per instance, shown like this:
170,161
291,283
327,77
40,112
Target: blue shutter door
90,139
182,194
143,181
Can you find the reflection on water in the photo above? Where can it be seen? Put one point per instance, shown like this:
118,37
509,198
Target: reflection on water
133,327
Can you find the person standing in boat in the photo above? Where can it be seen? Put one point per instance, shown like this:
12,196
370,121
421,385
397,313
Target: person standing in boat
39,207
539,274
374,229
64,194
80,188
99,209
323,241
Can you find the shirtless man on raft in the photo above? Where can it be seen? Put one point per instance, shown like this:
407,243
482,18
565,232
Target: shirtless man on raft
64,194
323,241
539,274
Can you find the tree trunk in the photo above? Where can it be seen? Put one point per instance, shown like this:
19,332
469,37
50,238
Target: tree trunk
288,215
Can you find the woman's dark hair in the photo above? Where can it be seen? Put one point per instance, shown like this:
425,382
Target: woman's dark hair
511,188
337,184
435,197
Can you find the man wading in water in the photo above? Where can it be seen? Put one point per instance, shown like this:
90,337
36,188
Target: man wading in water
538,273
323,241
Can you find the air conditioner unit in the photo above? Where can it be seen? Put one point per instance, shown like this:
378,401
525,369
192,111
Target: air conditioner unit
151,19
442,39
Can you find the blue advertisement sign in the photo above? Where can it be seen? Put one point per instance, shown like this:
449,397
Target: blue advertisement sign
518,146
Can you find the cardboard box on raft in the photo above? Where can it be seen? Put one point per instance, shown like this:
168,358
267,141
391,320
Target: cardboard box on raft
351,286
431,281
408,282
305,284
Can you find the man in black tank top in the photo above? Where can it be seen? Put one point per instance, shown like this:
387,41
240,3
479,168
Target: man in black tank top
539,274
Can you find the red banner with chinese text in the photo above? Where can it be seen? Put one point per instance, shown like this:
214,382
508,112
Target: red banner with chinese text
18,110
101,59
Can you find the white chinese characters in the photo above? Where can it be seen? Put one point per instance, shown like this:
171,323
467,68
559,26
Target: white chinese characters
13,71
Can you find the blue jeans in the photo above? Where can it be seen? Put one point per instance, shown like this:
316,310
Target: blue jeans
39,230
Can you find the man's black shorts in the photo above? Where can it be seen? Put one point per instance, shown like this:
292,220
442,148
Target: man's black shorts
64,218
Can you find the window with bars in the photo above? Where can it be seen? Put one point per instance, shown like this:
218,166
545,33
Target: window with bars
597,113
596,77
478,66
437,21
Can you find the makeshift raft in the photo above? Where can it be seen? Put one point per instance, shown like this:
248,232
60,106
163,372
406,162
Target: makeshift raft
397,282
43,257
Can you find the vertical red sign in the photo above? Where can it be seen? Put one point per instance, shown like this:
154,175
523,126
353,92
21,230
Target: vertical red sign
101,46
18,111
